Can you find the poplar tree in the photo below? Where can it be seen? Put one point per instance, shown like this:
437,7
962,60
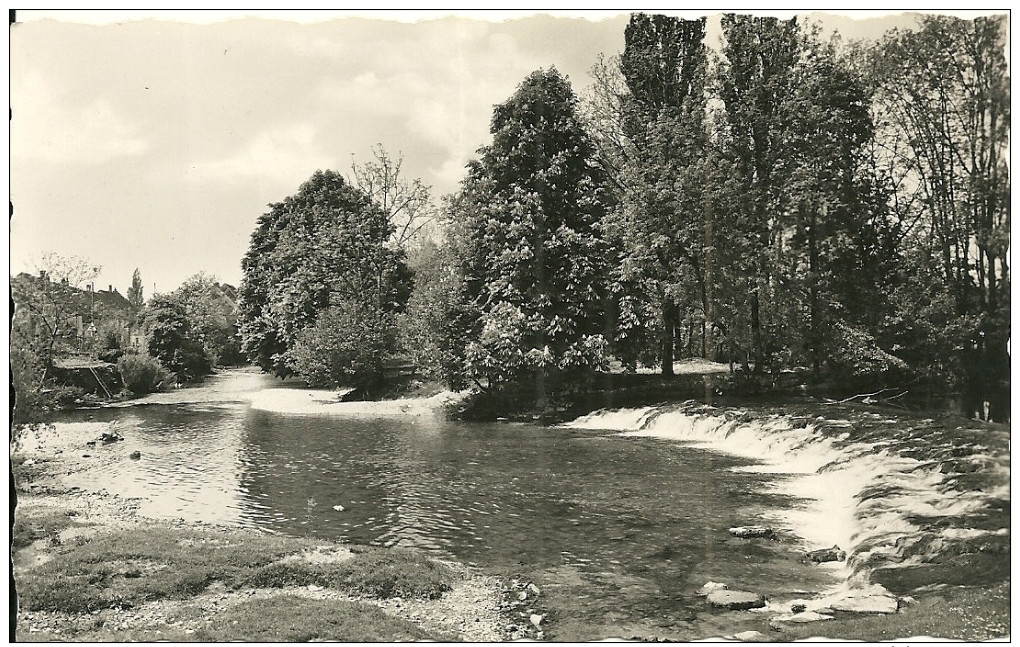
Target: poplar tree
662,225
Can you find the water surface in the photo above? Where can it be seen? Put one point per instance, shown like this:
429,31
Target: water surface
618,532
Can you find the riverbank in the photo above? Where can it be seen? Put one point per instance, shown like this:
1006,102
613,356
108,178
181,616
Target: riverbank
89,568
322,402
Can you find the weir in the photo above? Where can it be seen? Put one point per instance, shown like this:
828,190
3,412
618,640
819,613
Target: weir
861,496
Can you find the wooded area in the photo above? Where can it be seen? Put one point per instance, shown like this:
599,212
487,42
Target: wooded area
789,201
786,202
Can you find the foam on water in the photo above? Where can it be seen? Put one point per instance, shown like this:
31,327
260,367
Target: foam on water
857,496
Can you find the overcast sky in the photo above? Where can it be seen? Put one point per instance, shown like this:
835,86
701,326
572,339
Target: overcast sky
157,144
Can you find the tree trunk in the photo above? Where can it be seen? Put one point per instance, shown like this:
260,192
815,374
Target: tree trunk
668,323
813,274
759,346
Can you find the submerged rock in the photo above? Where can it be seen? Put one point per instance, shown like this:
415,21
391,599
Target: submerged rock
867,604
749,636
833,554
735,600
752,532
135,455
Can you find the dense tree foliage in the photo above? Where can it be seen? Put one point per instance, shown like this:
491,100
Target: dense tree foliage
438,317
211,309
322,250
194,328
843,208
136,293
660,227
783,202
174,339
531,254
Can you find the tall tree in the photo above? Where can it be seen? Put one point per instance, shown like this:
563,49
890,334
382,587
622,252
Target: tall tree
174,340
755,80
662,226
533,258
944,107
438,318
832,252
135,292
212,314
326,246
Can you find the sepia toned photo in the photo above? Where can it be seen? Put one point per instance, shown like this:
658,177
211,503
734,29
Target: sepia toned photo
469,326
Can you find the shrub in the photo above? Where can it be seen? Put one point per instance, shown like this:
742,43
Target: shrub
346,346
142,374
62,396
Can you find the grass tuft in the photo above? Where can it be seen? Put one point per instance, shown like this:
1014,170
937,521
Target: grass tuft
388,573
289,618
41,525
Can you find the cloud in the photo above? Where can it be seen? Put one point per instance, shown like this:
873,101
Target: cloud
286,154
45,128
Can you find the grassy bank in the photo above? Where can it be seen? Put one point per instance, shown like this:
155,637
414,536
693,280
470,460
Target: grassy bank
88,568
78,579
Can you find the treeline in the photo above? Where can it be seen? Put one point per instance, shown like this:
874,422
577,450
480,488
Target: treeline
72,344
786,202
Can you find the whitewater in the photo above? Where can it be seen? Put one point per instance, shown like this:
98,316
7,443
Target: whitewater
859,496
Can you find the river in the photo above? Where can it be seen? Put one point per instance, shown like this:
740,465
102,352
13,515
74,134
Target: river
619,530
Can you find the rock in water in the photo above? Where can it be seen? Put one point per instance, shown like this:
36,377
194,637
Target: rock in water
866,604
711,586
736,600
833,554
751,532
802,617
749,636
135,455
338,508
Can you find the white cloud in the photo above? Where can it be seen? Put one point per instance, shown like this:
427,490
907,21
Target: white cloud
285,155
45,128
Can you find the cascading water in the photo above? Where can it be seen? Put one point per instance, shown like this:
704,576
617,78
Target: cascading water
860,496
